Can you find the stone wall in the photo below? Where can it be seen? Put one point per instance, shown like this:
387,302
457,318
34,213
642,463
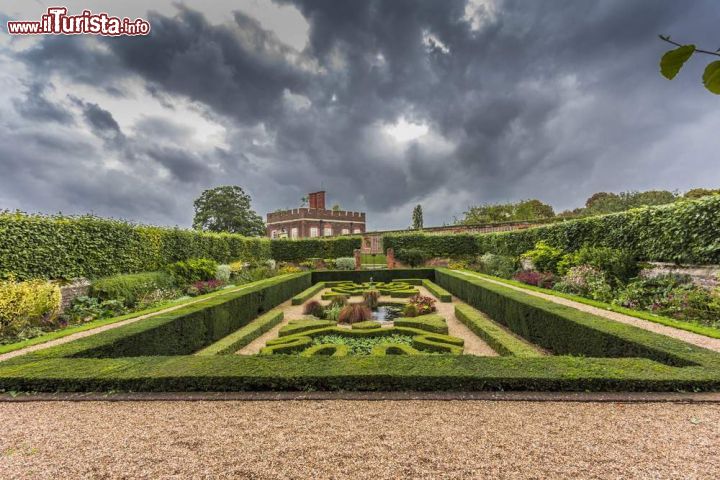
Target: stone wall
69,292
703,275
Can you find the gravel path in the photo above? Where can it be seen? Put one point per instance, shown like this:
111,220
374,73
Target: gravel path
689,337
358,439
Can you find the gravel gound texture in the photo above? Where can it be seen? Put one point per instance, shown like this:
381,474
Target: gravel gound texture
358,439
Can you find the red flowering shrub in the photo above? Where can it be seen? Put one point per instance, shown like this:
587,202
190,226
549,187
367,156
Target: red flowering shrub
539,279
204,286
424,305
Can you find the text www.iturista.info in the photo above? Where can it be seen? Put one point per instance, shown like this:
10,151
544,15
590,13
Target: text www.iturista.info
57,22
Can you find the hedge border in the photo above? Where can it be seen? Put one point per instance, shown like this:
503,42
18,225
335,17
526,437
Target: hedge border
437,291
499,340
306,295
240,338
431,323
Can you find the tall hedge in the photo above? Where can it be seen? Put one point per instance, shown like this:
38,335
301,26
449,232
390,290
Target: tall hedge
298,250
682,232
67,247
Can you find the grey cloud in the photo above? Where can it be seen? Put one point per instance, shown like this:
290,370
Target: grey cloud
554,99
36,107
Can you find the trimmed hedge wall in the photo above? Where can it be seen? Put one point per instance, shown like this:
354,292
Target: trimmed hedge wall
187,329
499,340
684,232
437,291
564,330
41,246
299,250
362,276
238,339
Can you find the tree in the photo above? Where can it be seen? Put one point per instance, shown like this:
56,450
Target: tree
701,192
508,212
417,218
227,209
336,208
673,60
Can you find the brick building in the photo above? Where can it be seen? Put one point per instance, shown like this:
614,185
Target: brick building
314,221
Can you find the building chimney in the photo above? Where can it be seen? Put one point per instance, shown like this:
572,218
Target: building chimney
317,200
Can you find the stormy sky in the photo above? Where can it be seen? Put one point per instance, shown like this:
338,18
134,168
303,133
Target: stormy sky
384,104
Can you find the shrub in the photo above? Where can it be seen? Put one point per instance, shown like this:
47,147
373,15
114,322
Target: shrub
204,286
285,269
223,273
423,304
130,288
414,257
27,304
587,281
370,298
249,275
538,279
544,257
271,264
236,267
287,250
497,265
86,309
194,270
314,308
619,265
354,313
410,310
345,263
332,312
339,300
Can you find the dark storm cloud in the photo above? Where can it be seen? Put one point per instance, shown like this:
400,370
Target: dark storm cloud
36,107
553,99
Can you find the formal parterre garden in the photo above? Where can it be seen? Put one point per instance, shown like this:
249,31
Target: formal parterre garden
360,330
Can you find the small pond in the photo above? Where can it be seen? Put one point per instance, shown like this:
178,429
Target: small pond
386,313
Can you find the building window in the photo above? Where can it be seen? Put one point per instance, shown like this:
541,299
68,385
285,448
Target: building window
294,232
357,230
327,232
273,234
314,231
345,231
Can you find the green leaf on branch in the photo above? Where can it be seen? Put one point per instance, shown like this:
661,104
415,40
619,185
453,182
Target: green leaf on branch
711,77
672,61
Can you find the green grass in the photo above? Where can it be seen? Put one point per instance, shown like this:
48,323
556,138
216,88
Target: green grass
11,347
651,317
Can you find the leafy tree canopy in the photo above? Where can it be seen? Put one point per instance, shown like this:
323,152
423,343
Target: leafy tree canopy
227,209
508,212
